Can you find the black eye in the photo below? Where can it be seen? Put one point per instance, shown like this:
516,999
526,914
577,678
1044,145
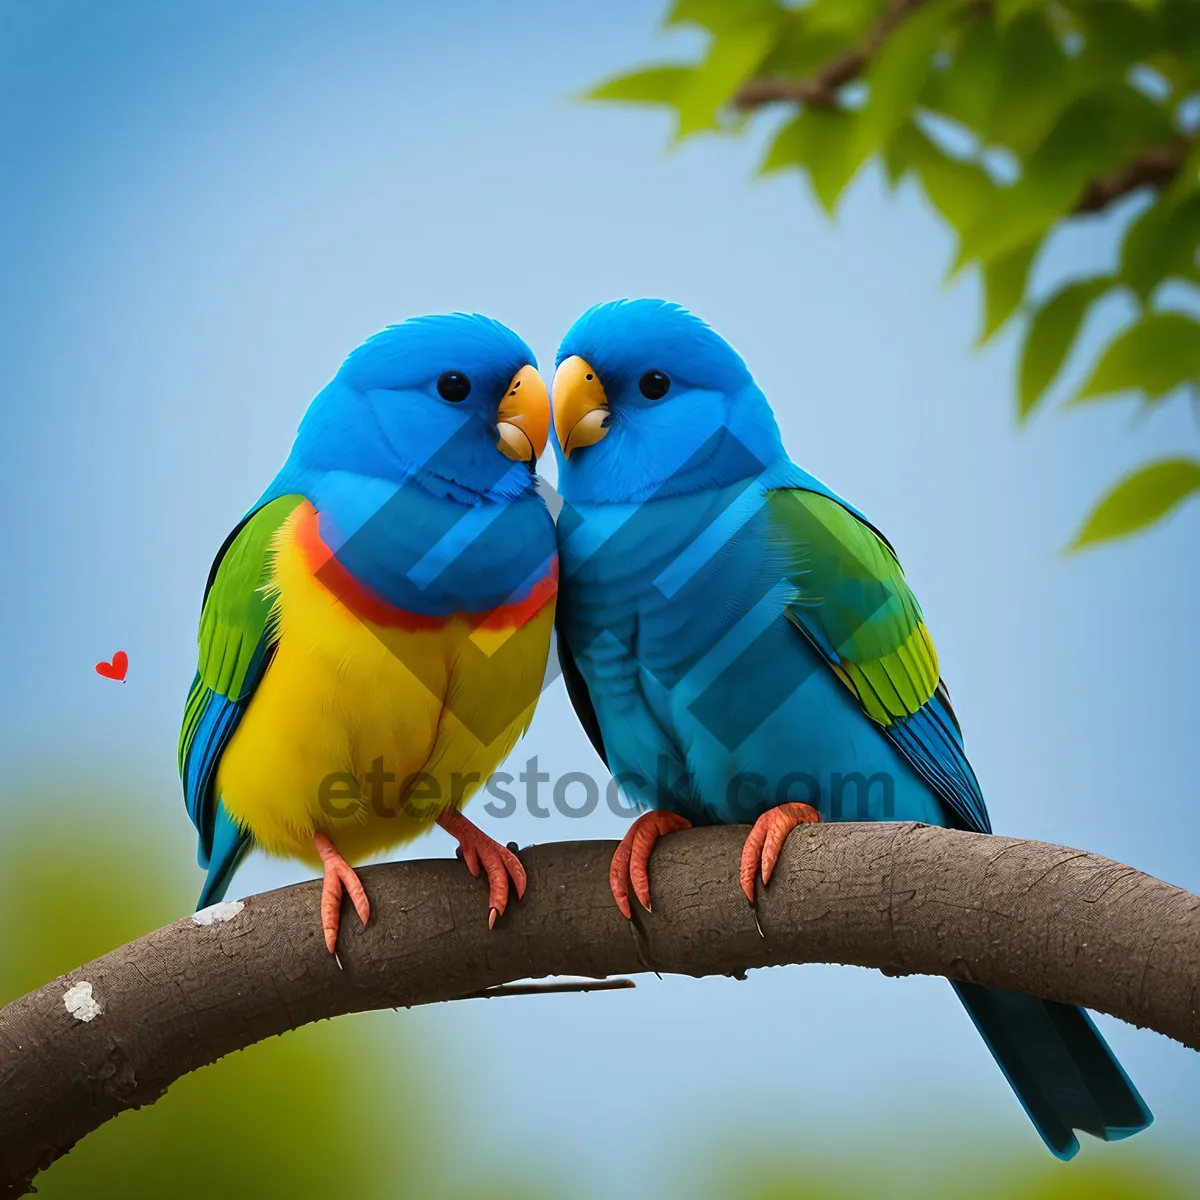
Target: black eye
453,385
653,385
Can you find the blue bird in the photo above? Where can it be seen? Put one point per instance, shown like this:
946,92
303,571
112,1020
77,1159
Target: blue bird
741,645
381,615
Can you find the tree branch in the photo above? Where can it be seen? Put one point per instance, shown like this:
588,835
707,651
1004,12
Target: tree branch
822,88
901,898
1156,167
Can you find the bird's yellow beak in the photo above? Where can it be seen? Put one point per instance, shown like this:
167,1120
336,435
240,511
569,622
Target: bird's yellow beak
523,419
580,405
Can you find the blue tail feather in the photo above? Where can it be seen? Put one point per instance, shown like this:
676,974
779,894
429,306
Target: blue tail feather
1059,1065
230,844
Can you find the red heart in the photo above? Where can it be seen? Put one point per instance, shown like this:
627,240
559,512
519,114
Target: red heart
115,669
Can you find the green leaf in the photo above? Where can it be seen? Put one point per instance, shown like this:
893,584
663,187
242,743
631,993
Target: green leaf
1140,499
652,85
1004,285
720,17
1093,137
1009,10
1117,35
851,16
1155,355
957,189
901,153
898,74
1100,132
800,51
965,90
1032,86
823,142
1052,333
1160,243
1188,179
1180,32
813,36
732,59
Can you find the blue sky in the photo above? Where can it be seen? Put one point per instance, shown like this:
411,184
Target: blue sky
209,205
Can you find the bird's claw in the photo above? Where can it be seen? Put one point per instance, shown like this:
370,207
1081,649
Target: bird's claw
631,861
339,877
482,853
762,848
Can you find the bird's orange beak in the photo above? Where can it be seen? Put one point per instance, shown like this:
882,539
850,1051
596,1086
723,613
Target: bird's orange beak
523,419
580,405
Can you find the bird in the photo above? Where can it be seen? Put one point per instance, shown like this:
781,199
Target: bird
741,646
374,631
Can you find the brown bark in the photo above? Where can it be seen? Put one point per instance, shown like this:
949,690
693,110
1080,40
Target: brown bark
900,898
1156,168
822,88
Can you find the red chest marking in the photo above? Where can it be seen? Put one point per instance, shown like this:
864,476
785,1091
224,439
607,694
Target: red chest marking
370,606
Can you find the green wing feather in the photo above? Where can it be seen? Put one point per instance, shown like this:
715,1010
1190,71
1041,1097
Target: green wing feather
854,605
237,615
853,602
236,628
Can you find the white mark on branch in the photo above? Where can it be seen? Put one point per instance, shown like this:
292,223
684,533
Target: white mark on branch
80,1002
226,910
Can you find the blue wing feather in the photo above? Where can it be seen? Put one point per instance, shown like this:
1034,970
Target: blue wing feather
235,634
230,844
929,738
932,743
221,844
218,717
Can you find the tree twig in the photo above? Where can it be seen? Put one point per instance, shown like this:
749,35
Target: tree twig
1156,167
822,88
551,989
900,898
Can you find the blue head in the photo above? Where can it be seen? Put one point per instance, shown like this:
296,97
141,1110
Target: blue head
649,401
455,401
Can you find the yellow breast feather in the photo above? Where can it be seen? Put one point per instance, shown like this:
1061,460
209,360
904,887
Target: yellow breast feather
365,729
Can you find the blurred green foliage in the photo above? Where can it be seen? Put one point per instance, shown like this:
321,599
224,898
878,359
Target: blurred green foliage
340,1108
978,1177
1014,116
283,1118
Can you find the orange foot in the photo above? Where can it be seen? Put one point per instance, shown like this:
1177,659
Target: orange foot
498,861
339,875
631,862
766,841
